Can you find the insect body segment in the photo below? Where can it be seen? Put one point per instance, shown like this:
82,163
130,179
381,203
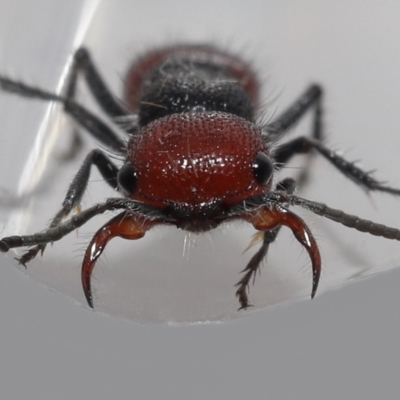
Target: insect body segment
191,76
194,158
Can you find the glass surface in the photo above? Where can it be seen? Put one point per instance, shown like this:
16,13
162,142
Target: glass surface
170,276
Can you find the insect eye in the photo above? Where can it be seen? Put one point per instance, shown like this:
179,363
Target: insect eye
263,168
127,178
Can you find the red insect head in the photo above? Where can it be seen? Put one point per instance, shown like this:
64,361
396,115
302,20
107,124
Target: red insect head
196,164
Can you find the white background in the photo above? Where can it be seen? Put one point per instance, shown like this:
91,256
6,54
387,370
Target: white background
344,344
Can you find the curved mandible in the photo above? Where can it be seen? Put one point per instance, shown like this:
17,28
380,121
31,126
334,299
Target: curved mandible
123,225
266,218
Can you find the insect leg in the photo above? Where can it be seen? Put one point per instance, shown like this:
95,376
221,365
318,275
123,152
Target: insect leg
54,234
351,221
64,228
305,144
75,192
287,185
97,128
79,184
312,97
83,64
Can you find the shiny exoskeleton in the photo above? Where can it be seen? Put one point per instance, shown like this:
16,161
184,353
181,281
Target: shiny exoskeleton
195,157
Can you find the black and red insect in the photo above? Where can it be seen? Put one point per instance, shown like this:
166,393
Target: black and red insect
195,157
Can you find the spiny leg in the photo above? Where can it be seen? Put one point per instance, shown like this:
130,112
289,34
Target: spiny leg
64,228
75,193
287,185
54,234
305,144
97,128
242,293
312,97
83,64
348,220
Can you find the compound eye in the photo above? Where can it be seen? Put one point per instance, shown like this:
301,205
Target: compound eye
263,168
127,178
